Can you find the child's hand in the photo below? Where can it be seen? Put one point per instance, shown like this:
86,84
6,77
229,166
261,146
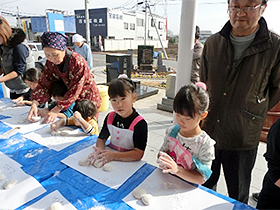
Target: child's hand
23,102
167,164
53,127
106,156
43,112
94,156
58,124
77,115
18,101
33,112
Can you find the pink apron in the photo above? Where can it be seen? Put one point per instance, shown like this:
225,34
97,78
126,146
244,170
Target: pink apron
121,139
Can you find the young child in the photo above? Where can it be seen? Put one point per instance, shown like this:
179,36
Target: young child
188,151
128,130
84,112
30,77
57,92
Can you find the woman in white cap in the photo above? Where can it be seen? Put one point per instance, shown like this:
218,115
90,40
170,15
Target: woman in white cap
83,49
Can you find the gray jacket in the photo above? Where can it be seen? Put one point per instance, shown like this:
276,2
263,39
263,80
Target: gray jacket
241,91
16,84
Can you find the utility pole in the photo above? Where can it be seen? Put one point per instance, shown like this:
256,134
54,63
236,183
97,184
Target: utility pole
146,20
18,18
87,23
164,52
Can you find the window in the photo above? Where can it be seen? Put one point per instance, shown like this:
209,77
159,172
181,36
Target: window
132,26
153,22
125,25
140,22
160,25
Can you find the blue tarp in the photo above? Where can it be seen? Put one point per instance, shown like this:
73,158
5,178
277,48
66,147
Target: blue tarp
37,160
45,165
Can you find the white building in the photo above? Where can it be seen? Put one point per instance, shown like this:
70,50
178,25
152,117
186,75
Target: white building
122,30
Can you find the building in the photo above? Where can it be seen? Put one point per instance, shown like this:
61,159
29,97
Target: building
53,21
117,29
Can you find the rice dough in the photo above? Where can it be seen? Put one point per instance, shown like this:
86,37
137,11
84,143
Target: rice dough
97,163
9,184
55,133
36,119
2,177
139,192
107,167
56,206
84,162
147,199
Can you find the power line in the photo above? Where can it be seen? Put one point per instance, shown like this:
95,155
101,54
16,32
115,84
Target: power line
8,2
20,13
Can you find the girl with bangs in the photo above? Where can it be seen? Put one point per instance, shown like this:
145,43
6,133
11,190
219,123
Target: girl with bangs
188,151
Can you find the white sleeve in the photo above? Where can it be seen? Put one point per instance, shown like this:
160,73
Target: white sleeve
207,152
165,145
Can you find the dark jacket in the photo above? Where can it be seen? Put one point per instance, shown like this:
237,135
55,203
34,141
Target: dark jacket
241,91
17,61
197,52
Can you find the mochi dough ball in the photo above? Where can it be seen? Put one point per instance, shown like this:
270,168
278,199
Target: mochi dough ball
9,184
84,162
2,177
107,167
97,163
56,206
147,199
139,192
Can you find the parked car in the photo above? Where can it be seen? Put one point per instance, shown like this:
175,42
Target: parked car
37,50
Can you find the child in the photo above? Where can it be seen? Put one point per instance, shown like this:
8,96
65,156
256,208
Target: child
128,130
188,151
84,112
30,77
57,91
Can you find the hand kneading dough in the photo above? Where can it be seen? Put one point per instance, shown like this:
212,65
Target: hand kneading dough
56,206
55,133
97,164
2,177
84,162
36,119
107,167
65,132
147,199
139,192
9,184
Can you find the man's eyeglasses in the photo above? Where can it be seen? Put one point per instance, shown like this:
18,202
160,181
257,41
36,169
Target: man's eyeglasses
236,9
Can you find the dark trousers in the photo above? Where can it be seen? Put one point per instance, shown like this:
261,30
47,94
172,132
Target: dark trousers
237,167
270,195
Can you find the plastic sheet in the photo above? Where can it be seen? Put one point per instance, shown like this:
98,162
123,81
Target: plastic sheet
37,160
83,192
78,199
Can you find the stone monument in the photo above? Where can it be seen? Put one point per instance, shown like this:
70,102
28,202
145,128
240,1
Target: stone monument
167,101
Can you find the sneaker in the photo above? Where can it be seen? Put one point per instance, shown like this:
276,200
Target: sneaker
256,196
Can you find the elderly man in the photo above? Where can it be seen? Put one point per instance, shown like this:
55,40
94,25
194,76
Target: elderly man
241,67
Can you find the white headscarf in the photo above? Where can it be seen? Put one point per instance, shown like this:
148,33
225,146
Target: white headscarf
77,38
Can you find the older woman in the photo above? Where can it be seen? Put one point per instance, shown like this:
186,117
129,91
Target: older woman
68,66
15,56
83,49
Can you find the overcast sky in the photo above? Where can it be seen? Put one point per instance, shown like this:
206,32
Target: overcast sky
211,14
